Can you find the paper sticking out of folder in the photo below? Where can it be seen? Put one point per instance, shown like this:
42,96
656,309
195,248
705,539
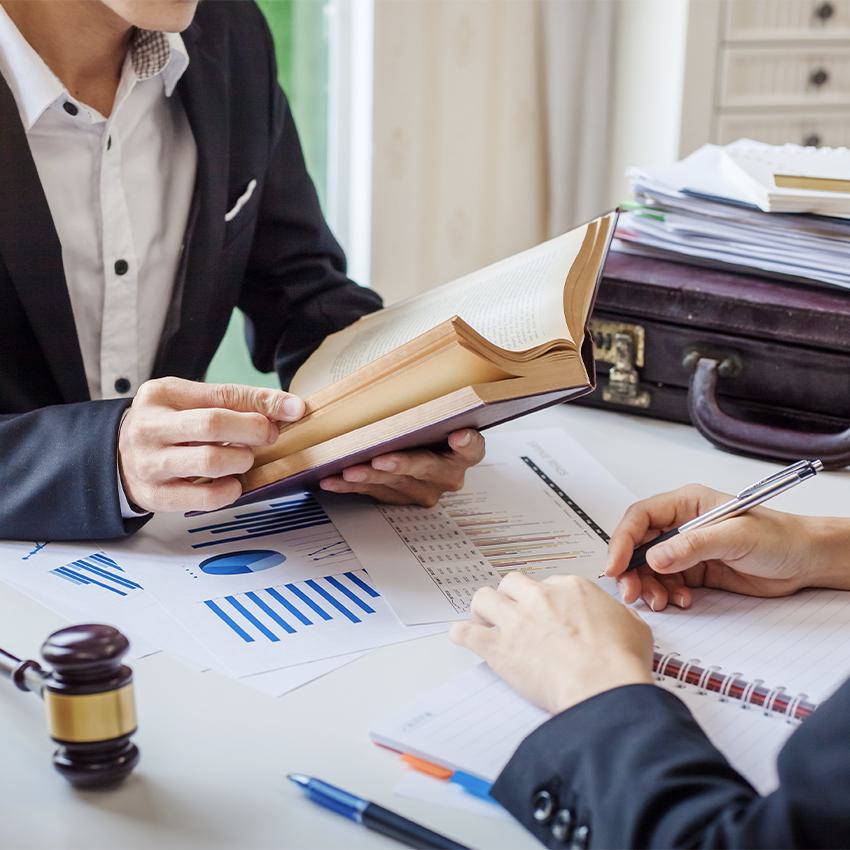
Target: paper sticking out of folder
718,206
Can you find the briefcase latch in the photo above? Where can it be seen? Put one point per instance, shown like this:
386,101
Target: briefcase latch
622,345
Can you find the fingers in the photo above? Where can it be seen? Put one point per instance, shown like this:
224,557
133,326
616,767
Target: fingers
724,541
383,486
657,591
188,496
645,519
519,587
416,477
469,445
493,608
630,586
208,461
446,470
213,425
473,636
176,392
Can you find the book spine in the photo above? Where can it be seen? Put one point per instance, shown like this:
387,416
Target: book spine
730,686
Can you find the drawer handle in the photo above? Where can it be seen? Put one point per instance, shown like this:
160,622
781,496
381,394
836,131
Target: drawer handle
824,11
813,140
819,77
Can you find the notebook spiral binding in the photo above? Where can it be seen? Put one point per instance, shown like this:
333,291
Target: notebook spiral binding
730,686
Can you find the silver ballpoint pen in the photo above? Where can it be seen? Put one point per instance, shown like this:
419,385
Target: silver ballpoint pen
755,494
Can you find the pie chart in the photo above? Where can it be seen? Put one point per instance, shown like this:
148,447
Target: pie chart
237,563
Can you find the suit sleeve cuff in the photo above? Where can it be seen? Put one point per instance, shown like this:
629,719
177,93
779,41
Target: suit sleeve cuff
127,511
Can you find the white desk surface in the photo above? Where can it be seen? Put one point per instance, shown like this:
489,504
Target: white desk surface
215,754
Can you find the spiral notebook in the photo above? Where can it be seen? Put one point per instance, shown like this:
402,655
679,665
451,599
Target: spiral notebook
750,670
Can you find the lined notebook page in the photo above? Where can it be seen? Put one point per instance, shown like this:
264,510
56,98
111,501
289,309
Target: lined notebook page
750,739
800,642
474,722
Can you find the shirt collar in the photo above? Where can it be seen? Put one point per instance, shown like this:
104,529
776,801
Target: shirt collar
35,87
164,53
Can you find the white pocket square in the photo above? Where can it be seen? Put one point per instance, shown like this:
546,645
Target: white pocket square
241,201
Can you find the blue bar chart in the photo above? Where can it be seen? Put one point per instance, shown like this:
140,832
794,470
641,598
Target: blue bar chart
97,572
299,523
286,515
273,624
272,614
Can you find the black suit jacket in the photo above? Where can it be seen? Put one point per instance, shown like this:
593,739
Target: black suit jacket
277,261
631,768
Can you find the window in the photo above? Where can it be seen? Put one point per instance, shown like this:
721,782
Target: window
324,50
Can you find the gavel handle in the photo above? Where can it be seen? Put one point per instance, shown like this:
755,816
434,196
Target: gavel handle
26,675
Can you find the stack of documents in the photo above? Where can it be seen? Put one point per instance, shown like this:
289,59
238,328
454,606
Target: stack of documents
724,205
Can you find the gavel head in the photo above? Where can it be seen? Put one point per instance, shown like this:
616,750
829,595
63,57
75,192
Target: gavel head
90,708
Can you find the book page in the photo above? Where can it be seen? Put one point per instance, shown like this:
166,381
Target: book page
516,304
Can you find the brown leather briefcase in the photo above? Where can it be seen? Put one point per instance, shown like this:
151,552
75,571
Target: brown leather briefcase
760,366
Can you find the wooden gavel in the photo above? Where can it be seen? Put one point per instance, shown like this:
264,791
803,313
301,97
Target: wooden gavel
88,695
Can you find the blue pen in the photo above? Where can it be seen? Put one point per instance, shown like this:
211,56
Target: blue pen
373,816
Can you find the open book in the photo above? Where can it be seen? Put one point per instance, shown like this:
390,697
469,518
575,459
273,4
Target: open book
485,348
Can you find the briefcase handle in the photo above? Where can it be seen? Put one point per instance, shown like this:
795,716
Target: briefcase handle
738,435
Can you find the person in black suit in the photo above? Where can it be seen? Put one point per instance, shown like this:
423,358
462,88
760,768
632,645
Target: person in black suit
151,181
623,763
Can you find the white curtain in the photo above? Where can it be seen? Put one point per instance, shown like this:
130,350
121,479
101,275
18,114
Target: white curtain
578,45
490,131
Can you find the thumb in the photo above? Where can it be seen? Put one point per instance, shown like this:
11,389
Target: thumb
277,405
715,542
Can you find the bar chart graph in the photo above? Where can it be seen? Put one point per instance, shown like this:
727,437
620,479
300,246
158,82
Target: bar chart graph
483,527
273,613
97,572
299,523
512,538
512,515
283,624
285,515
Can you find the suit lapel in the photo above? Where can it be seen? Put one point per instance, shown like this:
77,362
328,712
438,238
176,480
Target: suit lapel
203,89
32,255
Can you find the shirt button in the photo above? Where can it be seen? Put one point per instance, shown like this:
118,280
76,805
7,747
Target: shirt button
580,838
121,267
562,825
122,385
544,805
70,108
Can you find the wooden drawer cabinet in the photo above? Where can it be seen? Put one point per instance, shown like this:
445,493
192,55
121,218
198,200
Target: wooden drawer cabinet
773,70
759,77
815,129
787,20
777,71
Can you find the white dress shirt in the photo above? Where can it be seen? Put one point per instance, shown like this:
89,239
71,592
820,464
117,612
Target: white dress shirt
119,191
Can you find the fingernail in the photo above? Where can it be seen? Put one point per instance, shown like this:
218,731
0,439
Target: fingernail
293,407
274,433
385,464
465,439
328,484
652,604
354,475
680,599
